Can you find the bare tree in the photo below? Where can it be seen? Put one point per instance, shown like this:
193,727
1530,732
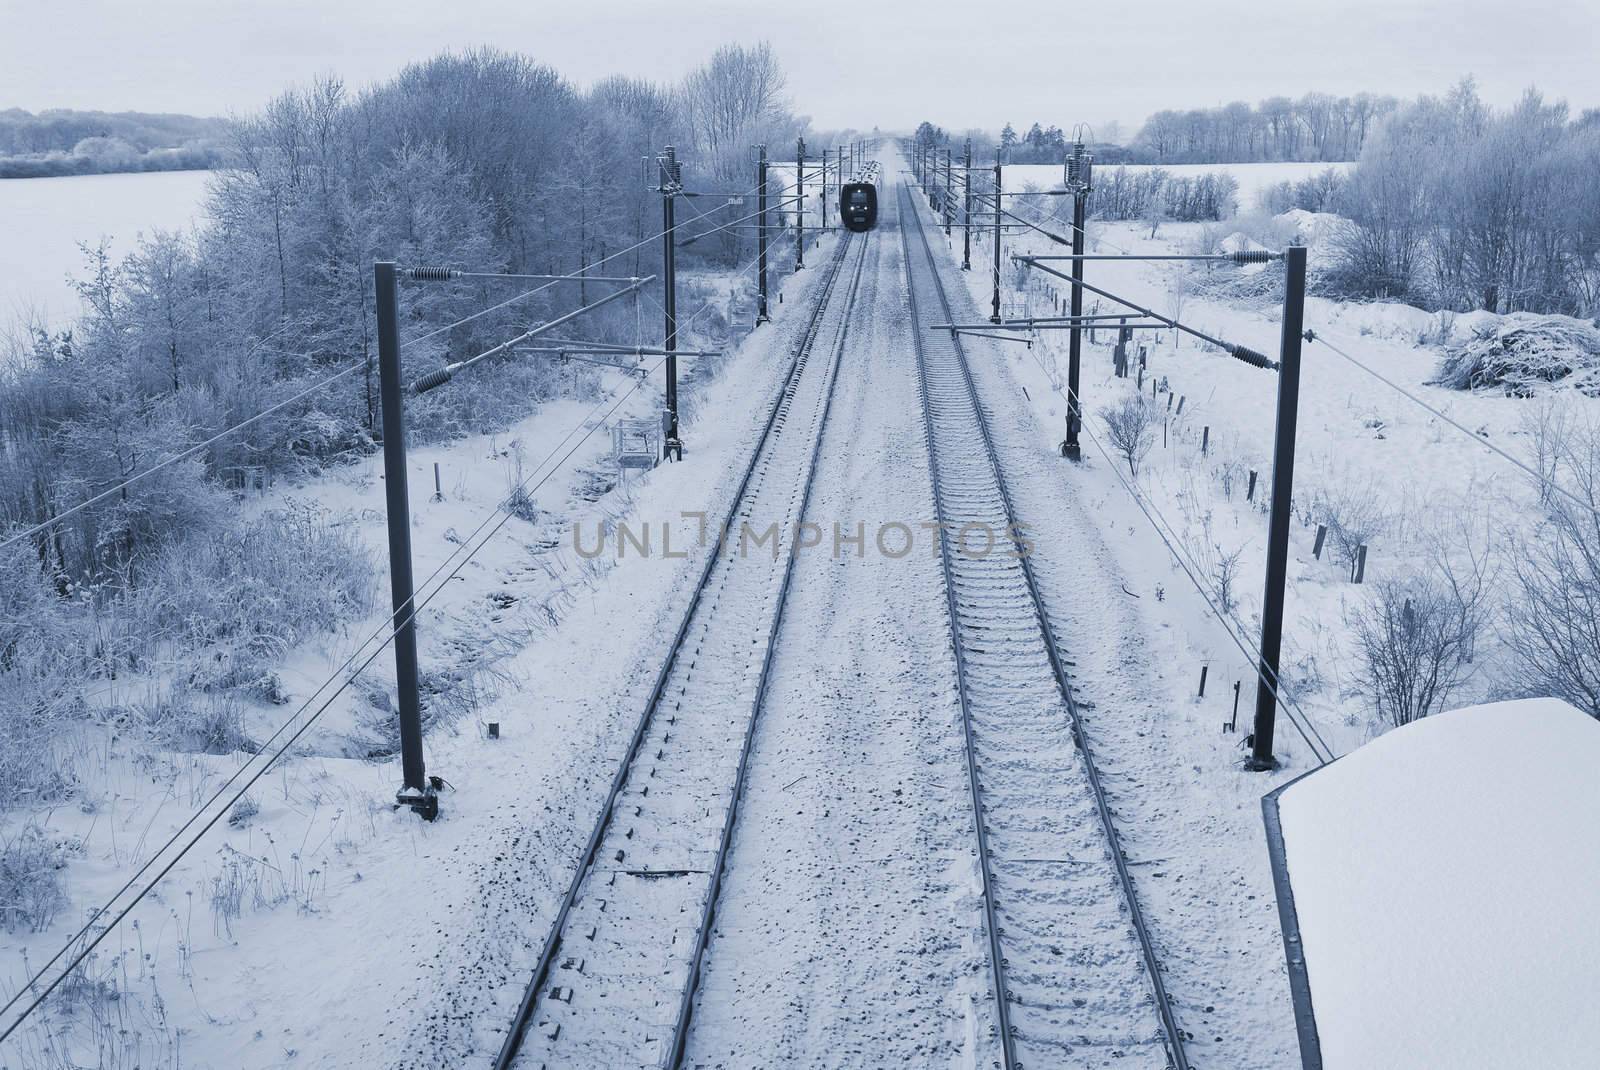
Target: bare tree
1130,424
1417,639
736,99
1553,627
1354,512
1177,299
1548,420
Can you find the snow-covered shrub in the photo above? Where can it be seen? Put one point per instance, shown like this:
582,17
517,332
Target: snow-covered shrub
1551,622
519,503
40,663
1416,640
189,720
1548,420
1521,351
30,880
1355,513
230,601
1315,193
243,812
1130,425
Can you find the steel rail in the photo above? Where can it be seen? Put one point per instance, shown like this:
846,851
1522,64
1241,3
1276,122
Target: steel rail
512,1044
686,1004
997,959
1174,1037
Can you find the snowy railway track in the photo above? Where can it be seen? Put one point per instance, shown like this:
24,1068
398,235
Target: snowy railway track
615,981
1076,978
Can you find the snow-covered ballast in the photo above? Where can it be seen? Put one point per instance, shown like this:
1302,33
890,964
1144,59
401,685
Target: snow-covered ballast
1439,890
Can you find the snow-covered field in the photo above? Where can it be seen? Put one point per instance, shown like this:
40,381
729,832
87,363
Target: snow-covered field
45,219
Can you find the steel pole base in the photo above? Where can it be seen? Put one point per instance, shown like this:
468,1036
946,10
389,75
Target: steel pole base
673,449
1260,765
1071,451
424,803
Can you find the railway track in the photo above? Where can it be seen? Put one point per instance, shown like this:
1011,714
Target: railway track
614,985
1076,979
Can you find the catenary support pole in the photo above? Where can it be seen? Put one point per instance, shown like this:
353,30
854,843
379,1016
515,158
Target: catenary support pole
1072,449
671,447
800,204
1267,684
966,208
416,791
994,316
839,180
761,239
949,208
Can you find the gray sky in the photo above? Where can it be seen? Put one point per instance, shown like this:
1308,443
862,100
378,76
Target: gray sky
884,62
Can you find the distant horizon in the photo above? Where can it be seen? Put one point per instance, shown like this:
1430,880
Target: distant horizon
1126,130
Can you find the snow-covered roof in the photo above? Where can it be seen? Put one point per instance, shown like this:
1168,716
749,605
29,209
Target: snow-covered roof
1440,890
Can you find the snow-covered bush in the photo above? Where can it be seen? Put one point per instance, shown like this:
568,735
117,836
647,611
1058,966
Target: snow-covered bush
39,658
1354,511
228,602
1552,628
1130,425
1522,351
1416,639
30,880
187,720
1315,193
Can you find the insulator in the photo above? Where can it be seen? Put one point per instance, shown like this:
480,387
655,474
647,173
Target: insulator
1251,256
431,380
433,274
1250,356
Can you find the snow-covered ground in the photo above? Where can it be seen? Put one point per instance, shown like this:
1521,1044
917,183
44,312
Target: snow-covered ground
304,928
1358,442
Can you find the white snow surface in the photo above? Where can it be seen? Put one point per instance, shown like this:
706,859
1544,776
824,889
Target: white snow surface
1447,881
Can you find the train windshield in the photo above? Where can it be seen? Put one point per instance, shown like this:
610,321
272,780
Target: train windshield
858,198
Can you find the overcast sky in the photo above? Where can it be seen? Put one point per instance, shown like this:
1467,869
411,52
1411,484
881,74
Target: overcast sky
889,63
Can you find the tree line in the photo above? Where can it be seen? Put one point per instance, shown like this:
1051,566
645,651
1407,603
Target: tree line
484,159
1317,127
1455,205
65,142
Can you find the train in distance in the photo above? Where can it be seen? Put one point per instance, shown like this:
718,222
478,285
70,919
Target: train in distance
858,199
